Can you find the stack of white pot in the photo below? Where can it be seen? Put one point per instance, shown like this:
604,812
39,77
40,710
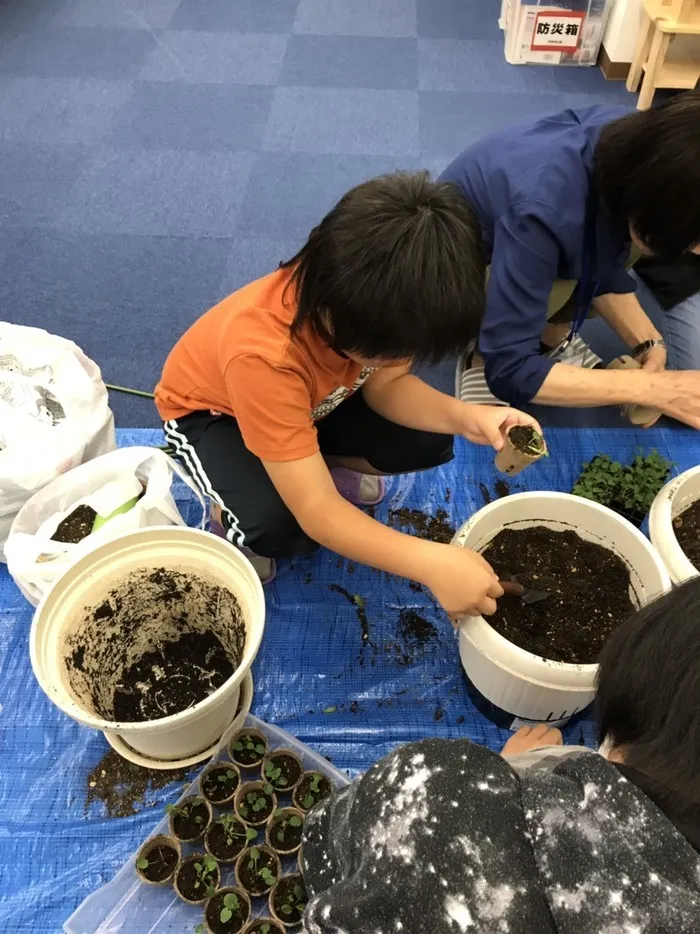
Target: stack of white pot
516,686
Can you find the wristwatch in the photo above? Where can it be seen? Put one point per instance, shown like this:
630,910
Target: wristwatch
646,346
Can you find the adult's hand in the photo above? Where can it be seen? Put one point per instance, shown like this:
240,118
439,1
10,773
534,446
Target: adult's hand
654,360
676,394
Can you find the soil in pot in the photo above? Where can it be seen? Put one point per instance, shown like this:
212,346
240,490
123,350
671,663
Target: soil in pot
157,860
285,831
158,642
257,870
248,748
255,802
687,529
264,926
282,770
75,527
227,912
313,788
288,900
227,837
189,820
526,440
219,783
588,587
197,878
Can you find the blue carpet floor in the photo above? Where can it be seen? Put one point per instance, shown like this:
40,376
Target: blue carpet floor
157,154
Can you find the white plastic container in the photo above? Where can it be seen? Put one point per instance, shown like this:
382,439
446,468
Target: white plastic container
670,501
65,616
517,686
567,33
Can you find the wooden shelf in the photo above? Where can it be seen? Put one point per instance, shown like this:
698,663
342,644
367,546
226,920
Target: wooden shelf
658,13
681,75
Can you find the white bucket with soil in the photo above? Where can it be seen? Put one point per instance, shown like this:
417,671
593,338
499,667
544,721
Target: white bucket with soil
670,502
510,684
149,638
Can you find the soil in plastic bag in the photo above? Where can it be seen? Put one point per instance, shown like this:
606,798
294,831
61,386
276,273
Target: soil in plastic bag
589,589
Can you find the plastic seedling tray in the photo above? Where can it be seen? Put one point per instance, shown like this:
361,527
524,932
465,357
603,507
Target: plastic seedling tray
128,906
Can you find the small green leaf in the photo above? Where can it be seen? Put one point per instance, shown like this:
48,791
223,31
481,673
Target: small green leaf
268,789
254,853
265,928
226,915
286,909
298,891
359,601
210,891
251,833
231,901
238,746
142,863
329,709
294,821
260,749
282,781
198,867
210,863
308,801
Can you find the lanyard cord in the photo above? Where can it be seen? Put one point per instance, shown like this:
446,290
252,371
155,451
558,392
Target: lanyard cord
586,289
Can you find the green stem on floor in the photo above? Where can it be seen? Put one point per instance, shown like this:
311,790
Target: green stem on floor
131,392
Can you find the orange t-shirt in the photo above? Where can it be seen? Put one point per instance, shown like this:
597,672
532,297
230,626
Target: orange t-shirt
239,358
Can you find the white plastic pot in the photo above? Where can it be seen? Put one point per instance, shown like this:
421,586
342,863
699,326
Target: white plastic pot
520,687
64,619
670,501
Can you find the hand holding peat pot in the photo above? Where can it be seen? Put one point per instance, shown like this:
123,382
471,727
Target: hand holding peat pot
522,446
642,415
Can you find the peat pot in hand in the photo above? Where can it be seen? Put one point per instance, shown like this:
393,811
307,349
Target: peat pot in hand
514,686
670,503
149,639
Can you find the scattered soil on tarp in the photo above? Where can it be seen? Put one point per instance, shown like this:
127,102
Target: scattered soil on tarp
75,527
122,786
448,495
589,587
359,605
502,489
437,528
415,630
687,529
486,493
172,678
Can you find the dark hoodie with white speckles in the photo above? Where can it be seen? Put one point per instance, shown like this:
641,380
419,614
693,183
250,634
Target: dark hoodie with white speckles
443,837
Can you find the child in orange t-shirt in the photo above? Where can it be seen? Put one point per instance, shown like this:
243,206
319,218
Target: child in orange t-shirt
251,395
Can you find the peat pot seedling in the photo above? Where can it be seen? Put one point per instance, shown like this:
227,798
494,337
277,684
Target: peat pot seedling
206,875
289,899
248,748
234,830
312,789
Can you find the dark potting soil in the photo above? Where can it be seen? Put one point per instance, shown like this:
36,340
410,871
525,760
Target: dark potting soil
250,867
525,439
171,678
502,489
687,529
415,630
289,899
248,748
359,604
162,860
284,837
312,789
75,527
437,528
219,836
189,881
122,787
190,820
232,925
588,585
259,927
485,493
290,771
220,783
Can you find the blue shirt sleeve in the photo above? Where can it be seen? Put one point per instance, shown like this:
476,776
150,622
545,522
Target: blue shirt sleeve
617,281
524,265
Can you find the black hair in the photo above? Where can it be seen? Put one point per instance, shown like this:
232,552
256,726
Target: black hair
648,697
647,167
394,271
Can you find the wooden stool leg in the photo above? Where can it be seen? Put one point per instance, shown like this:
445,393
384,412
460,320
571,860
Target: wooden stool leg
642,53
657,55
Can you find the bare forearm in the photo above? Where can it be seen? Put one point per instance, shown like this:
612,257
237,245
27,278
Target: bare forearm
410,402
345,529
575,386
627,318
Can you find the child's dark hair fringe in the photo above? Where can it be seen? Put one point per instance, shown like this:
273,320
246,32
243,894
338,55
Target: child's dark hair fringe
394,271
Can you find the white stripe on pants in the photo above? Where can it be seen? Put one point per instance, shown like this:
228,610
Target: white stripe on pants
187,453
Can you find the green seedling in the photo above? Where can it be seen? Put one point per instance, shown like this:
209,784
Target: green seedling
314,790
205,875
256,801
630,489
268,877
142,863
231,903
228,776
234,830
294,901
274,775
249,744
184,811
330,709
292,821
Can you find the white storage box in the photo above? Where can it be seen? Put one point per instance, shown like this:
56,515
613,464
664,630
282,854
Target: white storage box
540,33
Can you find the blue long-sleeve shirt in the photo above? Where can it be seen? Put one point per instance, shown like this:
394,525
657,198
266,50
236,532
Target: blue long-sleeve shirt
530,187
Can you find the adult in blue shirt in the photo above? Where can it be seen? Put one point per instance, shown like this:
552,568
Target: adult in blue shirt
562,204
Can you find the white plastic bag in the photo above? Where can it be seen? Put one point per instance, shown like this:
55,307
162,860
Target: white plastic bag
54,414
106,483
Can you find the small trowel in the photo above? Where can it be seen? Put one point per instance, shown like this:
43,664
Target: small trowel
513,588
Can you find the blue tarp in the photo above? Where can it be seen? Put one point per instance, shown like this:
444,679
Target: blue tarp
55,850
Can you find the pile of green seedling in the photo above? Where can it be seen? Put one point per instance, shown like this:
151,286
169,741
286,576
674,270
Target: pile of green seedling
628,489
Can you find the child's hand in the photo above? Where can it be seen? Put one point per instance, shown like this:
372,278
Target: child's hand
487,424
532,737
462,581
